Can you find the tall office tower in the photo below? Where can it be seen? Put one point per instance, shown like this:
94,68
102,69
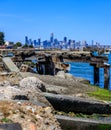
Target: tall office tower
74,44
84,43
30,42
39,41
74,41
35,43
56,43
65,39
26,40
52,37
45,44
55,40
69,42
48,44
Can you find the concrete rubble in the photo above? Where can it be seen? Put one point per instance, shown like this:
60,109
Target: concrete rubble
23,106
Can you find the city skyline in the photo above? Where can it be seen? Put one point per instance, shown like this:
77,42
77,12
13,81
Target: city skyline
76,19
64,44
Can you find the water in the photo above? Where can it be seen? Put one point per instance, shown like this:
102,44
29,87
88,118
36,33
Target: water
84,70
81,69
34,61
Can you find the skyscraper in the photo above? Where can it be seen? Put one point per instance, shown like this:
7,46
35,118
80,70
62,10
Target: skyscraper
39,41
26,40
65,39
30,42
51,37
35,43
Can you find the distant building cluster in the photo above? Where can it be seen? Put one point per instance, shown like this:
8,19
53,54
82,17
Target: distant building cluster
54,43
65,44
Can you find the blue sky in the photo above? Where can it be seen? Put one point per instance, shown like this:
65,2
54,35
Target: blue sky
77,19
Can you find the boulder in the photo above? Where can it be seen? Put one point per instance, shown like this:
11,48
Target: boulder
69,76
55,89
64,85
24,107
32,83
23,94
61,74
64,75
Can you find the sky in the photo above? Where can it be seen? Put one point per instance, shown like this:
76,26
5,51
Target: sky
77,19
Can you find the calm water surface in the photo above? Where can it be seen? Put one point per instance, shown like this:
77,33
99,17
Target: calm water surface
84,70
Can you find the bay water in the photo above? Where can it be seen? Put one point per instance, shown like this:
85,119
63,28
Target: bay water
82,69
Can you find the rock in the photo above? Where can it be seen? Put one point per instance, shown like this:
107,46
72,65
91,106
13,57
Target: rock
69,76
7,92
26,105
67,86
4,83
11,126
32,83
48,110
82,80
23,94
55,89
39,119
81,95
61,74
64,75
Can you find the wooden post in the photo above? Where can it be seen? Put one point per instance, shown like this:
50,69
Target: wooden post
110,78
96,76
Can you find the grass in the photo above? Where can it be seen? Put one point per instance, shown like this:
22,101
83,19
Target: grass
98,127
6,120
81,115
101,94
104,127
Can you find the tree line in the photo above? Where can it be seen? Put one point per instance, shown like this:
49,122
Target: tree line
18,44
2,41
